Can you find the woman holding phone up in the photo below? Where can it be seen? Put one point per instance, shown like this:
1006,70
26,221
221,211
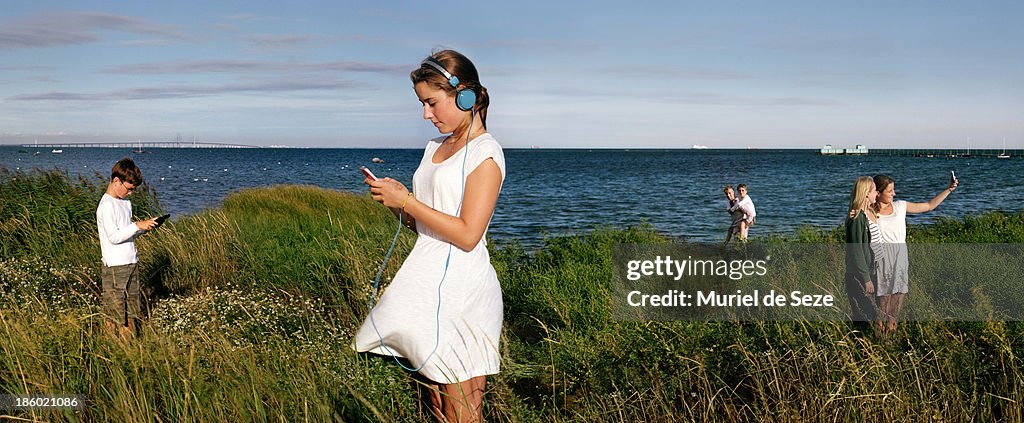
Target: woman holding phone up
443,310
892,262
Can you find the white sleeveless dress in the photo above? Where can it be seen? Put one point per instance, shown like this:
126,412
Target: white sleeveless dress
406,316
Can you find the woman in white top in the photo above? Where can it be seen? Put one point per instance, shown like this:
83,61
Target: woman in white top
443,310
891,265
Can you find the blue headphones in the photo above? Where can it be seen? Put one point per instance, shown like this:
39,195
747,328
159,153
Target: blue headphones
465,98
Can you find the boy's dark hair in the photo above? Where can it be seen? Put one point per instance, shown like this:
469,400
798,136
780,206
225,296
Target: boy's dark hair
727,188
741,186
126,171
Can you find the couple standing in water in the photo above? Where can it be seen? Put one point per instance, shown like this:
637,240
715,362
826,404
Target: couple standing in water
876,250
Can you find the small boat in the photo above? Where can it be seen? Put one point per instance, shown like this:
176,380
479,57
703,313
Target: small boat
56,151
699,147
377,160
1003,155
139,150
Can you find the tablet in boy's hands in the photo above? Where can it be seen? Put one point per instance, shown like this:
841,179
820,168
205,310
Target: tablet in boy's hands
160,220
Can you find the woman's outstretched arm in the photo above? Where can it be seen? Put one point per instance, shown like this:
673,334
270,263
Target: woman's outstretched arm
931,205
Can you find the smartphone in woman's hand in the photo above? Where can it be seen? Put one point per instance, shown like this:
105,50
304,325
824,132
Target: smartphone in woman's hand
367,173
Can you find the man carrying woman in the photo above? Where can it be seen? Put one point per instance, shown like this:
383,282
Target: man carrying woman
742,211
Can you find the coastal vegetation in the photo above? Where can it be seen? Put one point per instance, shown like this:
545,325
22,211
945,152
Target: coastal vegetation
253,304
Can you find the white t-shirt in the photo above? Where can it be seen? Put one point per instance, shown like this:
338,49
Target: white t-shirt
745,205
893,227
117,232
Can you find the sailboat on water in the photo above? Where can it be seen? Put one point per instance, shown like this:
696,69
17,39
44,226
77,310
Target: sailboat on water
139,150
1003,155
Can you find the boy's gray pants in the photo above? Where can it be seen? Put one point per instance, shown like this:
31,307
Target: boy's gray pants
122,298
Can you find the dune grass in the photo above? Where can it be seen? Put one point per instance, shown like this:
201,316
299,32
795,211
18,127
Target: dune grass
575,361
254,304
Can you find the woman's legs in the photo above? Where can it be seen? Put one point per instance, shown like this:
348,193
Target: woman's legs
895,308
891,306
436,402
459,402
884,303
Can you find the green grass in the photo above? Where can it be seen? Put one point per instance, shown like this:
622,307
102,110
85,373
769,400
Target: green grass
990,227
254,304
324,244
572,360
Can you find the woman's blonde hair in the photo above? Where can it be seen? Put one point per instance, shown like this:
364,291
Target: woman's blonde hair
859,195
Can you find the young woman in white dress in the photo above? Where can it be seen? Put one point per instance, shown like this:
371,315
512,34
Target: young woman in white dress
443,311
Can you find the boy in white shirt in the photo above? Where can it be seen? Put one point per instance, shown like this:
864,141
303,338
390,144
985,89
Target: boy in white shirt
746,205
122,298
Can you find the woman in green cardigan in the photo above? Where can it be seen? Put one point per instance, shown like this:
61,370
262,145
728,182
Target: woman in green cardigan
861,222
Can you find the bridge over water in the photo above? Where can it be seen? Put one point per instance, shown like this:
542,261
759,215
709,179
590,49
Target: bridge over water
946,152
141,144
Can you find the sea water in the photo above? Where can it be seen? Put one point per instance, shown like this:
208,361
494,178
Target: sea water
552,192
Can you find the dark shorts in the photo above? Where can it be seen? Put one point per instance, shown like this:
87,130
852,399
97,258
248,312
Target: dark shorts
122,298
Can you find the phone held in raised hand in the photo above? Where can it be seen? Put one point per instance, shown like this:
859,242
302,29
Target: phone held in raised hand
160,220
367,173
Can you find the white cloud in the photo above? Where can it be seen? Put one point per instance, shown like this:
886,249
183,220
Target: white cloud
68,28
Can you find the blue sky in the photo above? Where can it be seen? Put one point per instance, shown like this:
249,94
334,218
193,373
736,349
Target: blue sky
912,74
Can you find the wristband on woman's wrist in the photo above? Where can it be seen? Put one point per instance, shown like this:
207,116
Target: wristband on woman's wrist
407,197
